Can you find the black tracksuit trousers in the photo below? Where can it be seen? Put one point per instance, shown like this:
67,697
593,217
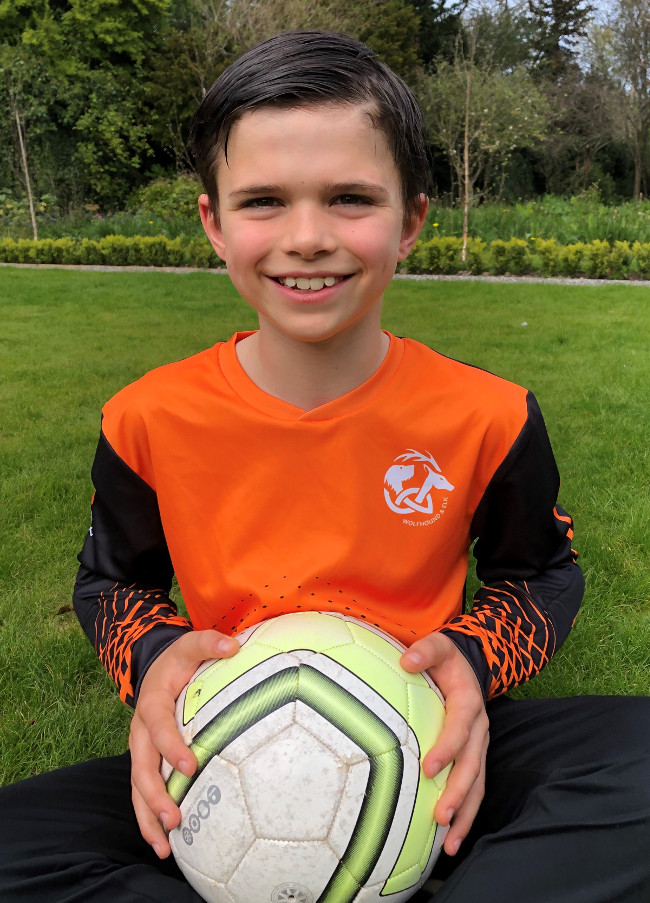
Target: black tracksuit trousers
565,819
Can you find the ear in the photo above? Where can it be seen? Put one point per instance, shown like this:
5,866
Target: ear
212,226
412,228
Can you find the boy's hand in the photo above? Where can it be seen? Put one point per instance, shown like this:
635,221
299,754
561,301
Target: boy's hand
154,732
464,737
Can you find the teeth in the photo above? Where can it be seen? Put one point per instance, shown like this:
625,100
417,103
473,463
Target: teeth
309,285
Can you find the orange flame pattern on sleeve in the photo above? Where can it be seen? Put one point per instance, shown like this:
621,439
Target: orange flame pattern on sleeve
124,616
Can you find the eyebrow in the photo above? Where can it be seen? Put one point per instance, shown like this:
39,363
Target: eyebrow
249,191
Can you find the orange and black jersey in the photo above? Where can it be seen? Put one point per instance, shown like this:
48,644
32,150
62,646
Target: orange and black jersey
367,505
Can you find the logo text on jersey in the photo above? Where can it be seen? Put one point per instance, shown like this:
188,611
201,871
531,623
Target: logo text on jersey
413,485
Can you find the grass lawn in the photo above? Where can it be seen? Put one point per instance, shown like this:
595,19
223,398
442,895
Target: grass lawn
69,340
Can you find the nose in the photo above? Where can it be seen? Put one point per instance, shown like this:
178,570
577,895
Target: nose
309,232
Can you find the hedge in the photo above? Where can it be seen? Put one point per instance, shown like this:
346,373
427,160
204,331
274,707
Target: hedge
537,257
112,250
441,255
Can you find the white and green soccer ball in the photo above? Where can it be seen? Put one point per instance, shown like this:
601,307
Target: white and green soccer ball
310,786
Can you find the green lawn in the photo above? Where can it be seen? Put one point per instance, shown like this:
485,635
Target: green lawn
69,340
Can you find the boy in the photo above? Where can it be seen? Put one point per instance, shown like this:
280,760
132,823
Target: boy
320,462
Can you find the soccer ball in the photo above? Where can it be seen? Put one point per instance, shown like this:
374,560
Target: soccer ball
309,787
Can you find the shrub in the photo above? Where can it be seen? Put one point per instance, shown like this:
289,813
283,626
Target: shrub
641,252
200,253
511,256
169,198
116,250
597,257
499,253
549,254
620,258
438,255
570,259
89,252
477,262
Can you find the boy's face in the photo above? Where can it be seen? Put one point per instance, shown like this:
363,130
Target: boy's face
310,221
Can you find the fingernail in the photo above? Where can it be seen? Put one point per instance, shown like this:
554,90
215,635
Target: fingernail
435,768
185,767
414,657
163,820
157,850
225,645
455,847
450,814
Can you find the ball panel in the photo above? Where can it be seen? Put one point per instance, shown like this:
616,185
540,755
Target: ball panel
362,692
347,814
419,837
314,630
271,865
263,731
204,825
221,676
312,781
210,890
391,857
425,714
340,745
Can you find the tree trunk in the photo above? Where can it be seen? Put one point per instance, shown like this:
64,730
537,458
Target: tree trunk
468,95
23,156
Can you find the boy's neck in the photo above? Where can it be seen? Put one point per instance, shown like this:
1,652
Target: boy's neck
309,375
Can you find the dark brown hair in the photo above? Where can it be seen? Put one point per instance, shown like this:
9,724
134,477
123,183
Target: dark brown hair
305,68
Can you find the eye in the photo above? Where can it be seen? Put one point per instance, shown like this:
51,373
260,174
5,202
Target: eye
261,203
353,200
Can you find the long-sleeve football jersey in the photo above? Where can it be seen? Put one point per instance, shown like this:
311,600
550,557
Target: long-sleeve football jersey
367,505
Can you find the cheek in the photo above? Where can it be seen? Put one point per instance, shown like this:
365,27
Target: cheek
377,246
246,244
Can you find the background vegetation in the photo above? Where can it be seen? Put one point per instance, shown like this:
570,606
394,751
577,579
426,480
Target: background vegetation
523,99
70,340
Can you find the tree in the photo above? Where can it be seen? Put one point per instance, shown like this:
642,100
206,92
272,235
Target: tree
94,53
440,22
12,68
628,31
584,118
559,25
206,35
507,33
479,115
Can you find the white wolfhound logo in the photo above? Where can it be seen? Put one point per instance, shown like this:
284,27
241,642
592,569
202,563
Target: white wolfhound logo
413,499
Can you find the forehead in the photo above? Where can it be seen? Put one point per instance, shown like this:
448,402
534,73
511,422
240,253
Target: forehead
337,140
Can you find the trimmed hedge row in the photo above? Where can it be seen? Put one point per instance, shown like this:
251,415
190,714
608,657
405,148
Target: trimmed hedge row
537,256
112,250
542,257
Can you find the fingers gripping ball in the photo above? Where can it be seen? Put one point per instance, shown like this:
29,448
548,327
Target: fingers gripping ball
309,786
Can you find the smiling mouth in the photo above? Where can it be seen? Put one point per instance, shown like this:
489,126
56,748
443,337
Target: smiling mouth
309,284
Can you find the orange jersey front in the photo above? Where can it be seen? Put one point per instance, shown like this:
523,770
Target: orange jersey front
364,505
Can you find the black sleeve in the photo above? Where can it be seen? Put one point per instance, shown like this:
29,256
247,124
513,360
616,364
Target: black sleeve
532,585
121,595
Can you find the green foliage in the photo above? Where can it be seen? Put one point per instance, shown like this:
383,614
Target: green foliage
169,198
583,217
641,255
570,259
479,116
14,211
111,250
511,256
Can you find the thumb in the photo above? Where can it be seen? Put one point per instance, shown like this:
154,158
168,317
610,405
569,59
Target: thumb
201,645
425,653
